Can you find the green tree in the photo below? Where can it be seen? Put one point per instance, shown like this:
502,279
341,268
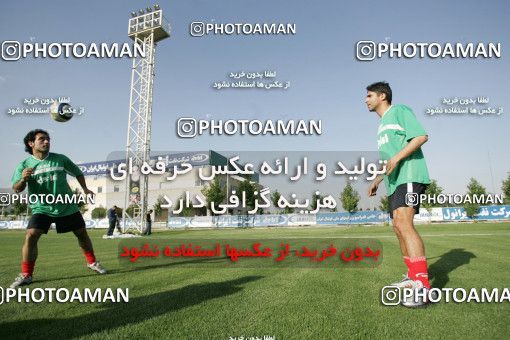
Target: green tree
131,210
214,194
158,210
98,212
474,188
506,189
19,209
315,198
433,190
349,198
275,196
249,189
385,203
186,211
288,210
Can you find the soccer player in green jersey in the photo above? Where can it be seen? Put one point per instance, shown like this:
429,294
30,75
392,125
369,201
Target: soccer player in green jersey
44,173
400,137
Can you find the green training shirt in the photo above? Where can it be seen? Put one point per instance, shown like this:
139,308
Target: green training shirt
49,177
397,127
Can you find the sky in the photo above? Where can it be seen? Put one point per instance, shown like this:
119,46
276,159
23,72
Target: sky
327,82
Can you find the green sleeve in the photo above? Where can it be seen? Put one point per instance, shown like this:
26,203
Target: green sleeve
408,121
16,176
71,168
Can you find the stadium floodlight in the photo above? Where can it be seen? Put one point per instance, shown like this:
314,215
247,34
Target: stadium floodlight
156,7
145,33
141,12
133,14
148,9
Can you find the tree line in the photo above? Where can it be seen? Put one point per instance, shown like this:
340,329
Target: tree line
216,193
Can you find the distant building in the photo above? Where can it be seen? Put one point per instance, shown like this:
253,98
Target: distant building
111,192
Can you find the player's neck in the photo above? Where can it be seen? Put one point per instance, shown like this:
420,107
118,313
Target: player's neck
382,109
40,155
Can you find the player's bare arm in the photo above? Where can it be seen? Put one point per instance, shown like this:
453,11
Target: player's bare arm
372,190
86,191
22,183
413,145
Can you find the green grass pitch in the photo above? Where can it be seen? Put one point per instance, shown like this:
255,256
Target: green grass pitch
180,302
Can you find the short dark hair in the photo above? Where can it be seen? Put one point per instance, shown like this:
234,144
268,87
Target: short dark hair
381,87
30,137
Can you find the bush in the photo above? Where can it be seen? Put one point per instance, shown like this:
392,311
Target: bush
98,212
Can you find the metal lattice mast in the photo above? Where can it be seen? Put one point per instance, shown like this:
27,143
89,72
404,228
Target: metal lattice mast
146,29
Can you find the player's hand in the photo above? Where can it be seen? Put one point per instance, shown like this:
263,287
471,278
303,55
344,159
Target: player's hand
373,188
27,172
89,192
391,165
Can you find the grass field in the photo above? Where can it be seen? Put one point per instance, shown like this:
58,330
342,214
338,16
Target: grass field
176,302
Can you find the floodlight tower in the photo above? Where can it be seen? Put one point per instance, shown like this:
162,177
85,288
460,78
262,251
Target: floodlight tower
146,28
